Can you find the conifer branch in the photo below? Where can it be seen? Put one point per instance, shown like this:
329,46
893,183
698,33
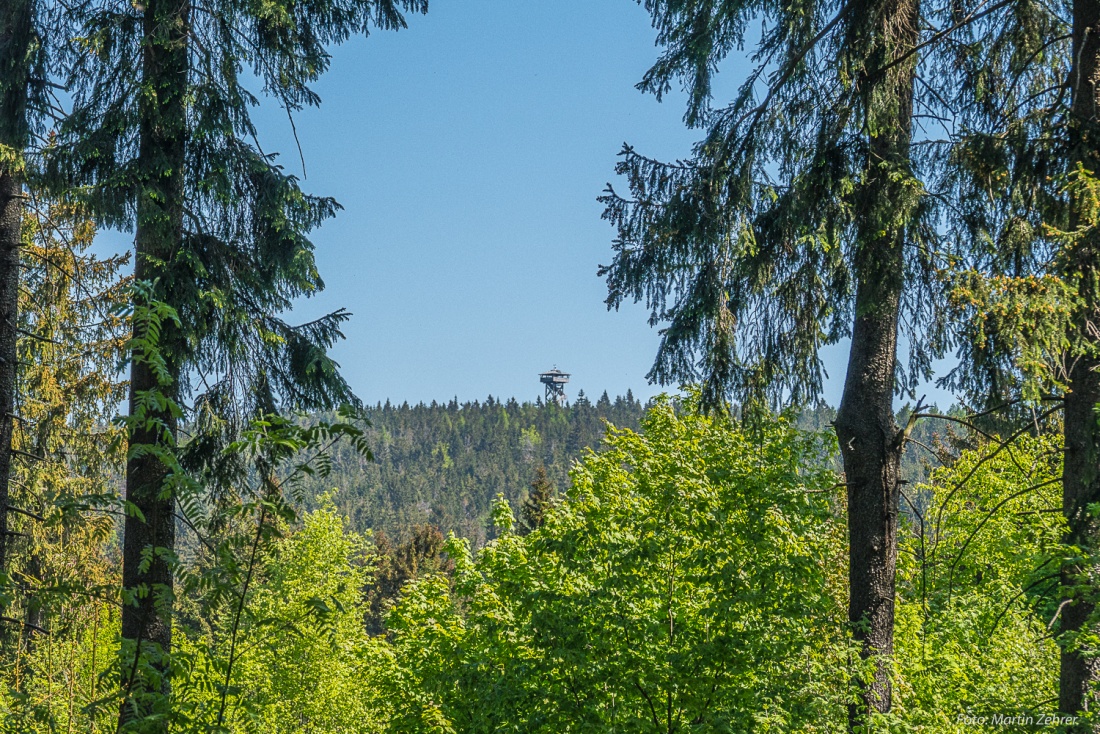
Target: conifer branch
926,447
28,513
37,337
974,16
24,623
791,67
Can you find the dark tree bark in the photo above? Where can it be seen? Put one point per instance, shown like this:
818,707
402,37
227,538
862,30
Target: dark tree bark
1080,675
11,218
870,440
16,37
146,623
32,618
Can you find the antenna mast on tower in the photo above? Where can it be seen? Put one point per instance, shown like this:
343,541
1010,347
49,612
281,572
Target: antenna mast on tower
555,381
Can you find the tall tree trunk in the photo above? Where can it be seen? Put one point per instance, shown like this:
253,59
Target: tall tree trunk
11,220
1080,674
869,436
32,615
16,38
146,622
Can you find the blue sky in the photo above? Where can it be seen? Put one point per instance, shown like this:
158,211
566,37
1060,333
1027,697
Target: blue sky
468,152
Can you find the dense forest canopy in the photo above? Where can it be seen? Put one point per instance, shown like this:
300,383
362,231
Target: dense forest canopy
445,464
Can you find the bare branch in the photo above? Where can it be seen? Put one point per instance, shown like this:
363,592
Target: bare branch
28,513
22,623
988,516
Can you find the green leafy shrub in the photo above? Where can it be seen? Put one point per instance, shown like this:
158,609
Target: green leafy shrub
690,581
977,589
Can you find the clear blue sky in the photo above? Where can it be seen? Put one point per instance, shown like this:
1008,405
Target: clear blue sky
468,152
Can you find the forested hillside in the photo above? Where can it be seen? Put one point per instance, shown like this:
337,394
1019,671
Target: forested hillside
444,464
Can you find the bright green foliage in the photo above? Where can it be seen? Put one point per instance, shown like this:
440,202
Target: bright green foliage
305,660
691,580
312,680
432,648
235,537
695,568
977,588
59,683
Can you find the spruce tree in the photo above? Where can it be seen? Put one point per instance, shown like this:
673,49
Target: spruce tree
1080,669
69,389
1022,177
535,506
1002,80
22,108
398,564
161,143
799,219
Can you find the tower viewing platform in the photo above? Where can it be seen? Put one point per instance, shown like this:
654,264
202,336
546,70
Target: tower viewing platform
555,381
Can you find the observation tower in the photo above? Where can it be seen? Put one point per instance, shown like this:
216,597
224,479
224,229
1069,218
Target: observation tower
555,381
